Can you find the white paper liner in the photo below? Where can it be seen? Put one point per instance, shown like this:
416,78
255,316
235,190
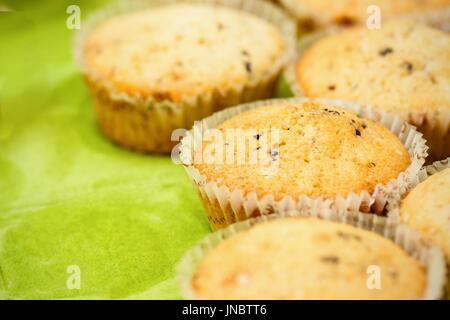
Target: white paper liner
224,206
434,124
438,18
150,121
428,255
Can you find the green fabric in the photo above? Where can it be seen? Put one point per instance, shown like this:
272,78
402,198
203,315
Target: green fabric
67,195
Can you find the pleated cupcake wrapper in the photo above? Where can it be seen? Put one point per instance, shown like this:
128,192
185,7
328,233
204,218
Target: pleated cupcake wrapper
438,18
428,255
145,123
433,124
224,206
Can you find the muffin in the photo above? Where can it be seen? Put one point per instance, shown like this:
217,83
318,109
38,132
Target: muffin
157,69
296,153
402,68
315,14
310,258
432,217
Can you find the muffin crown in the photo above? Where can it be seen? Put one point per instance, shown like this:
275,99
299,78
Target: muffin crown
402,68
307,259
182,50
319,150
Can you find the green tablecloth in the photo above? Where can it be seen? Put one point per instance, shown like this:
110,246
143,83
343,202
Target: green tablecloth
67,195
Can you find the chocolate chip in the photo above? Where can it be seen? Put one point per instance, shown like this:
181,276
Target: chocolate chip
343,235
332,87
357,132
364,125
384,52
248,66
274,154
345,21
433,79
332,111
330,259
257,136
408,66
347,236
393,274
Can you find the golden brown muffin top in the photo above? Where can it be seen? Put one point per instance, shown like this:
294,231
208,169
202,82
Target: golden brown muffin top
427,209
401,68
321,150
183,50
307,259
349,12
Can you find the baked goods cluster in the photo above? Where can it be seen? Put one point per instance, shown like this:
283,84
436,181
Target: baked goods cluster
309,196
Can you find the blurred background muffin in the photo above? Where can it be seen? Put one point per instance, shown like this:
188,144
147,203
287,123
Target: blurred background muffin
318,14
308,258
153,70
404,68
427,208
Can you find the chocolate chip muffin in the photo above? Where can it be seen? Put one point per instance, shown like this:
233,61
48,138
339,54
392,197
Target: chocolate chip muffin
402,68
159,68
307,259
323,151
427,210
264,157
